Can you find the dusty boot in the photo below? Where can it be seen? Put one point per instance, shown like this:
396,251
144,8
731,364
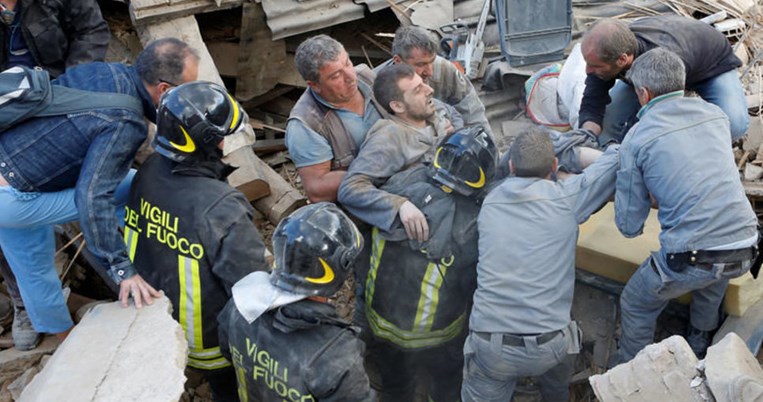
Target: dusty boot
6,311
24,335
698,341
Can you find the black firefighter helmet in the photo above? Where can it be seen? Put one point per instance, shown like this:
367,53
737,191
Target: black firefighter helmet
193,118
314,249
465,161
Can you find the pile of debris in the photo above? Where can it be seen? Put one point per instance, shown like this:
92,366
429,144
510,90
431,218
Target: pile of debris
669,371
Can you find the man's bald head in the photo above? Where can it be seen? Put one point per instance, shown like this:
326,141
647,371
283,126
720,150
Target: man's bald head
609,39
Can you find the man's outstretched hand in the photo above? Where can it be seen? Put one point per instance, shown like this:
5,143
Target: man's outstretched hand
140,291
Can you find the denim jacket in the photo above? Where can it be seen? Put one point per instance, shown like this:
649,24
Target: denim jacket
91,151
680,153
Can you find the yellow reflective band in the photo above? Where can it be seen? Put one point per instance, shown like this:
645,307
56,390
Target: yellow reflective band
429,297
131,240
328,274
236,113
479,183
208,364
412,339
205,353
189,146
377,247
359,236
243,394
436,157
189,307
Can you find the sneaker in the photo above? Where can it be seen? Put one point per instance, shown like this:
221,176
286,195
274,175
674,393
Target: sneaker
24,335
698,341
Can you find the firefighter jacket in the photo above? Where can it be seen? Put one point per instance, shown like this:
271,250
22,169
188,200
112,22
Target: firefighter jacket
191,235
417,295
298,352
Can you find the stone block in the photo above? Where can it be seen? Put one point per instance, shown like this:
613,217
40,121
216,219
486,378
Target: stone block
117,354
660,372
15,362
733,373
20,383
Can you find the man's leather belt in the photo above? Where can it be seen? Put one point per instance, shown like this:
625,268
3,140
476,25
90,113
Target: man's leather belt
698,257
519,340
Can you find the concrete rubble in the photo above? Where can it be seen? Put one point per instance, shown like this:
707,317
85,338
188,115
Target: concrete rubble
116,354
669,371
15,362
733,374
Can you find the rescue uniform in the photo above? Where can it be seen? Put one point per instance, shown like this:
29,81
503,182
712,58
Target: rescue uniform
420,340
191,235
300,351
423,334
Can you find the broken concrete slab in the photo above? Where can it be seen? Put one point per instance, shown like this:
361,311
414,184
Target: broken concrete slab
117,354
749,327
18,385
659,372
14,362
733,373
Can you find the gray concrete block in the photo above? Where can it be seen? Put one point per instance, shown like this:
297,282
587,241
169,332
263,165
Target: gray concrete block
732,372
15,362
116,354
660,372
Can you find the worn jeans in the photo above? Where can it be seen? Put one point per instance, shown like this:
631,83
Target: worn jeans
724,90
491,369
653,285
28,243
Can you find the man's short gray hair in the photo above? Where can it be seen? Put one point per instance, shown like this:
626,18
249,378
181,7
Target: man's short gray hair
313,53
658,70
611,38
532,154
413,37
164,60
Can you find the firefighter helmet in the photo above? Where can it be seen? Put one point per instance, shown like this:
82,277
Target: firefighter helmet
465,161
193,118
314,249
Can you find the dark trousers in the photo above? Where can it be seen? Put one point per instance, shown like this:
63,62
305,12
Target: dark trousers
437,371
223,384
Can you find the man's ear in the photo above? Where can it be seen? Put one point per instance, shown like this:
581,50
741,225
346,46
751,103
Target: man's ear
622,60
397,106
314,86
397,59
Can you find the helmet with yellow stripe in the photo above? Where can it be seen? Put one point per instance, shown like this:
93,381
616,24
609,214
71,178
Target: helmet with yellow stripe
314,249
465,161
193,119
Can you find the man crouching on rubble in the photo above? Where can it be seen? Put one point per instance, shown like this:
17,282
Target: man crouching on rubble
528,228
679,157
188,232
285,341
